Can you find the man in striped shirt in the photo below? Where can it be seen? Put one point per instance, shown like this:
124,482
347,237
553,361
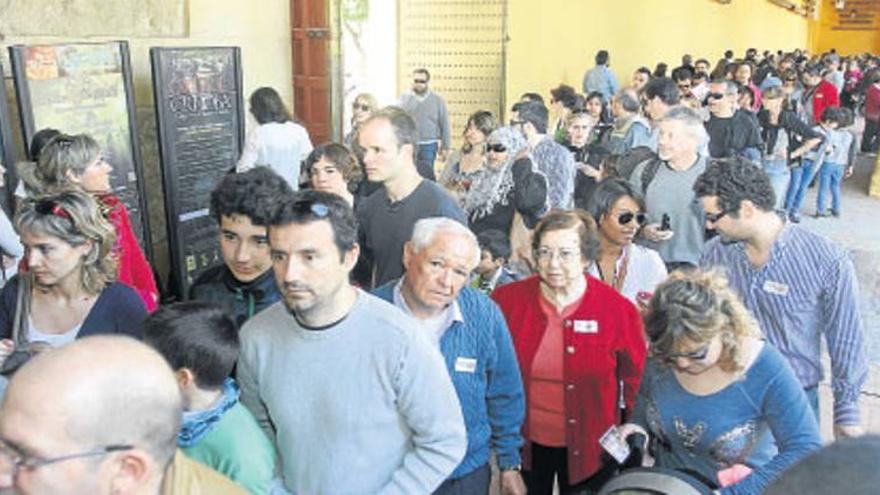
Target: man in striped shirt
798,284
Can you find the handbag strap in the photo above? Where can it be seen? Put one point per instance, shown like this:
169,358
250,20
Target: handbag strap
22,309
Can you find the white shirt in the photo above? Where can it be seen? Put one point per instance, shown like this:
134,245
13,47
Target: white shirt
54,340
281,147
433,327
645,271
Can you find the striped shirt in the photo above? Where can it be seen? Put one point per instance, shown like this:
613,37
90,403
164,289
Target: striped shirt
807,288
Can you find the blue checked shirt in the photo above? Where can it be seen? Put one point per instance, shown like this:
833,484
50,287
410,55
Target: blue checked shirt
806,289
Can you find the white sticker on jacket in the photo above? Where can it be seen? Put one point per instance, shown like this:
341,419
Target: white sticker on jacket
777,288
465,365
586,326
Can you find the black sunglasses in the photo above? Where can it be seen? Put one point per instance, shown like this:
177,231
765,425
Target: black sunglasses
50,207
496,148
317,208
420,81
714,217
361,107
627,217
715,96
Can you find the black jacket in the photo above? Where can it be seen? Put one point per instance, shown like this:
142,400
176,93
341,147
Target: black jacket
239,300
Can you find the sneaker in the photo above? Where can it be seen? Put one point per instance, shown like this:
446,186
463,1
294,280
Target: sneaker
835,213
820,214
794,217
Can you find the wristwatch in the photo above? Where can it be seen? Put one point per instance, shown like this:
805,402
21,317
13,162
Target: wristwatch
517,468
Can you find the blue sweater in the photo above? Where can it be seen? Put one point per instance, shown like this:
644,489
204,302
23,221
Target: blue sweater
711,433
491,396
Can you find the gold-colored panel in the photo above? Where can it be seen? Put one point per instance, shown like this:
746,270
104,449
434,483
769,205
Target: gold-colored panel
461,42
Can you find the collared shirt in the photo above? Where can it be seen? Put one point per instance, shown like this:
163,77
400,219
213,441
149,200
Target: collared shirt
435,326
807,288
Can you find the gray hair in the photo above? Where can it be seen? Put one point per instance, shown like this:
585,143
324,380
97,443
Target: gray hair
691,121
730,87
629,100
427,228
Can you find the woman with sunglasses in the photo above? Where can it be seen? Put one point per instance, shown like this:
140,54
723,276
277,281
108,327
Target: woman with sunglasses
715,397
77,163
576,340
70,289
467,165
510,184
362,107
633,270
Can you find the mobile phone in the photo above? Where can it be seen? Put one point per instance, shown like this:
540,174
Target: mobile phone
664,222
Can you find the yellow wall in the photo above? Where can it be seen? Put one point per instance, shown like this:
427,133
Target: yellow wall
553,41
823,38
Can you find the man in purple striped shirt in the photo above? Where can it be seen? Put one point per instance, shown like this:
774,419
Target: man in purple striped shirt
799,285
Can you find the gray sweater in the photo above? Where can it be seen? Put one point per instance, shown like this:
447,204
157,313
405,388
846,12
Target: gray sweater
364,406
429,112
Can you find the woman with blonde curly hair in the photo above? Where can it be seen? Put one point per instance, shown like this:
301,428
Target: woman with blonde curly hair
713,392
69,290
77,163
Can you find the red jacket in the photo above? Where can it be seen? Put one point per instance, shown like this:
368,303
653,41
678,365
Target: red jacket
825,96
133,271
604,343
872,102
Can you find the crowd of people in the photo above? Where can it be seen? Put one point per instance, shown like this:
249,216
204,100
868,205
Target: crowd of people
622,264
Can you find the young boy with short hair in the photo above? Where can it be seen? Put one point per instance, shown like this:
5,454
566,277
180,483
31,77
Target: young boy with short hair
200,342
492,271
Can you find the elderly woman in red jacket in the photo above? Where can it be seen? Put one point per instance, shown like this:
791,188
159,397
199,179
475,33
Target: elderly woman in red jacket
578,343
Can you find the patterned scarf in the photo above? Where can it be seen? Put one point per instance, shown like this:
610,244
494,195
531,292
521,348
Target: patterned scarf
197,424
495,184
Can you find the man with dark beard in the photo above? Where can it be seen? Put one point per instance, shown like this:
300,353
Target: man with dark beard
798,284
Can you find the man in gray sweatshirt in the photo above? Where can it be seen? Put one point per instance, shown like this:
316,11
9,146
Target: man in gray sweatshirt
428,109
355,399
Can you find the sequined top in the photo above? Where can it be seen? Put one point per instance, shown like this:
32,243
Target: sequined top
710,433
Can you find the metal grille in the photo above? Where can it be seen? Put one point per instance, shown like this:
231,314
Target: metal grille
461,42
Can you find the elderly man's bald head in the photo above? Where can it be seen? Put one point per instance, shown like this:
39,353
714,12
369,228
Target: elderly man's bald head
95,392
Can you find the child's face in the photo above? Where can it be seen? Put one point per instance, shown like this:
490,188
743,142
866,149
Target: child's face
829,124
488,265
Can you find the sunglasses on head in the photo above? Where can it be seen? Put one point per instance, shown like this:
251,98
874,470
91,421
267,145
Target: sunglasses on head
361,107
310,206
627,217
496,148
50,207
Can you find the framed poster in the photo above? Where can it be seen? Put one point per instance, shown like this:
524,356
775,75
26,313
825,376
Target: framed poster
7,153
200,121
85,88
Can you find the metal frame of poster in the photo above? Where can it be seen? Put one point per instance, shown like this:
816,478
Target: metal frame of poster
101,74
7,155
200,122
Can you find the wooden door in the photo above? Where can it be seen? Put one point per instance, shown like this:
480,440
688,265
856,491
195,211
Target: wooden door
311,68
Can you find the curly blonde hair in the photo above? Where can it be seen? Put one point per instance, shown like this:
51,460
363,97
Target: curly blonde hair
695,307
75,218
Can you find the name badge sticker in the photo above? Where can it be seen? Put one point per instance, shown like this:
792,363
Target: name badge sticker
777,288
465,365
586,326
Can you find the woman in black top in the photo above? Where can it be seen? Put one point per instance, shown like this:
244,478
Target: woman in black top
786,137
511,184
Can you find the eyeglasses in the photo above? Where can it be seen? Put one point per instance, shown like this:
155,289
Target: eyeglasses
50,207
627,217
361,107
716,96
420,81
546,254
496,148
698,355
12,461
306,206
517,122
714,217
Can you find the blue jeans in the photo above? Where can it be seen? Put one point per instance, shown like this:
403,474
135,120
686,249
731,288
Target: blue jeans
779,175
475,482
425,160
797,187
830,175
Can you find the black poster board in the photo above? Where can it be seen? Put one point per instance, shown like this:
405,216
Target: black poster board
200,118
85,88
7,154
